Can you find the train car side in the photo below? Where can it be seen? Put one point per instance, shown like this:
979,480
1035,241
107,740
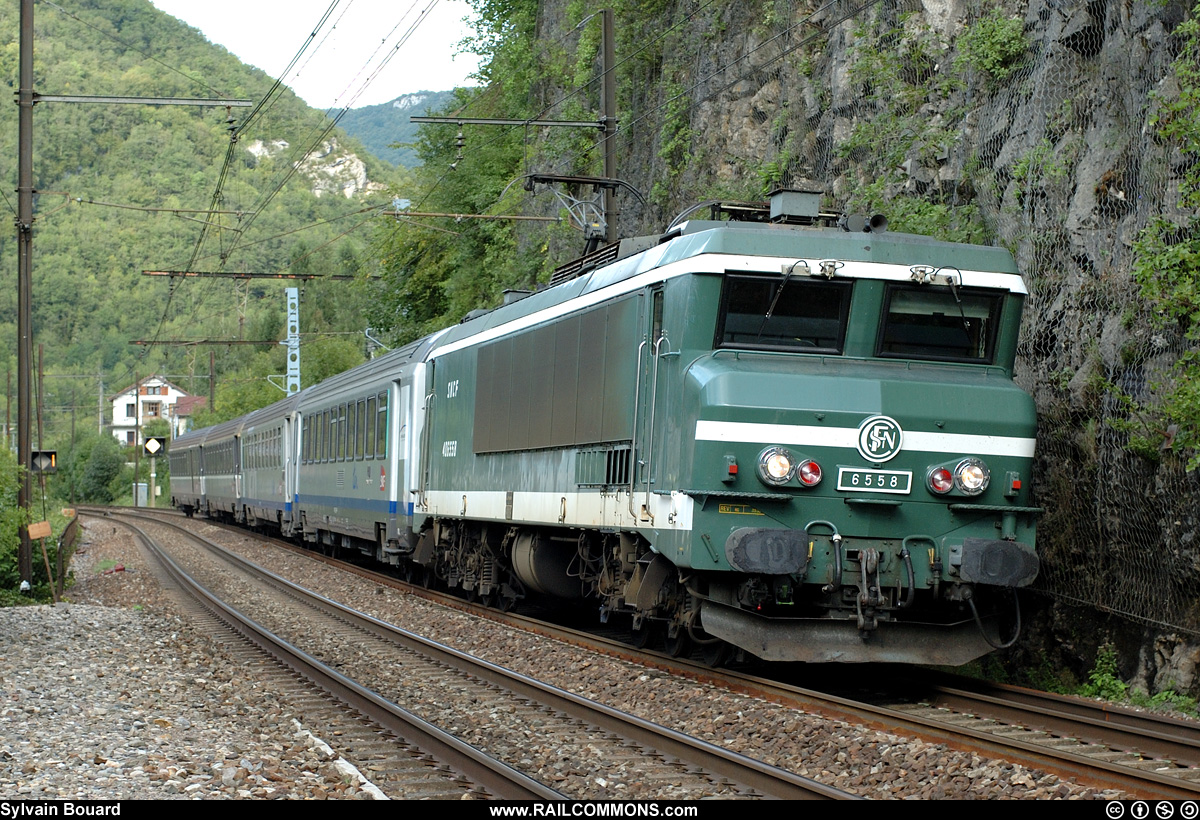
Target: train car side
357,434
220,468
268,443
187,482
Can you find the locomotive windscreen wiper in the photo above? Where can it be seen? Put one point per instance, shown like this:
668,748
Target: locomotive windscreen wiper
965,322
787,274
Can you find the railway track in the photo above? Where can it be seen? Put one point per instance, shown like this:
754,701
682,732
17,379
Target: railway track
404,756
1123,738
1112,748
665,763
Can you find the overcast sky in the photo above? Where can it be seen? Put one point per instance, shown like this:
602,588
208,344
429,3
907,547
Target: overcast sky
334,70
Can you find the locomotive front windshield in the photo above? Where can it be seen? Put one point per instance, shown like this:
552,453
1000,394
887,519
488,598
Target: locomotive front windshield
783,314
946,324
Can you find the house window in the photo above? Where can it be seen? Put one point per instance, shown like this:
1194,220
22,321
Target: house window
130,410
129,437
152,409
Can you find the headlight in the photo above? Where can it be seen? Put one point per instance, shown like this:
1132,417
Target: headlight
775,466
971,476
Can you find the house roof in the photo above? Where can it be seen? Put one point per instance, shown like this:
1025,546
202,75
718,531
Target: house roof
159,379
187,405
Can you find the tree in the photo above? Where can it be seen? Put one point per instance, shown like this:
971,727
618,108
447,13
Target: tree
103,466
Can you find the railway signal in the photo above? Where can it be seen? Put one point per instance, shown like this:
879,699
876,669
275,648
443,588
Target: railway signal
44,462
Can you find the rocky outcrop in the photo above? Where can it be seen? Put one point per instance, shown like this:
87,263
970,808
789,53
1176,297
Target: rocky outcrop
1031,124
334,170
329,168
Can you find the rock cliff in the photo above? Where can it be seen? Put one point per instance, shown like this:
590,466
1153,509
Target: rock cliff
1036,125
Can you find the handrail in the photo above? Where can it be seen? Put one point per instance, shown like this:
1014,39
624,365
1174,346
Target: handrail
633,462
650,422
425,457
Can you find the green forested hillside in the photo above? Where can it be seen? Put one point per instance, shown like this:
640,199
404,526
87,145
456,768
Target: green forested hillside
107,176
380,127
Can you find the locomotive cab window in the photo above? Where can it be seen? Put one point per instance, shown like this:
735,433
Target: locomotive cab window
783,313
942,324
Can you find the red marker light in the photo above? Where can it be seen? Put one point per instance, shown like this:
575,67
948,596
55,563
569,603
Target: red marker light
941,481
810,473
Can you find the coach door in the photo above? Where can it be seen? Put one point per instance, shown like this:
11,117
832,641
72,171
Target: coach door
290,465
394,413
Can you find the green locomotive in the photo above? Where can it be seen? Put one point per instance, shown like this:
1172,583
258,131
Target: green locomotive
789,435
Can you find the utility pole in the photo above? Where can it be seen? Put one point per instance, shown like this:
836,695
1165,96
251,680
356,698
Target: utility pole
137,433
584,211
608,118
25,101
24,284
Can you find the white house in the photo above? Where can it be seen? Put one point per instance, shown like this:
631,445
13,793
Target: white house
152,398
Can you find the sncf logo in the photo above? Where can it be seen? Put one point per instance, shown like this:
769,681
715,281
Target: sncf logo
879,438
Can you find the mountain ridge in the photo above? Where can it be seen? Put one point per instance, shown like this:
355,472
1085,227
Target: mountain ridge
379,127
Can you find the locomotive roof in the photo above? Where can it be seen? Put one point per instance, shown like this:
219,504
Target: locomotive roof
749,246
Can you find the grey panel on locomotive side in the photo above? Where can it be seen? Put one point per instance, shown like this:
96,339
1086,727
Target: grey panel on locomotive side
561,384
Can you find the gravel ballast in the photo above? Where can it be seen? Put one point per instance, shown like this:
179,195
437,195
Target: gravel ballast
115,696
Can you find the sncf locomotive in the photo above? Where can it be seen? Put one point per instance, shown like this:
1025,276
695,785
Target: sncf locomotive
786,434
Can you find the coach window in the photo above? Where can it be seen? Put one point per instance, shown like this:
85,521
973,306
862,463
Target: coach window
327,424
369,445
351,430
330,430
791,313
381,426
343,428
336,423
360,433
938,323
331,449
326,433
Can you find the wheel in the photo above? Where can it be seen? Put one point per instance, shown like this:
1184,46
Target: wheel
715,654
428,579
640,637
679,645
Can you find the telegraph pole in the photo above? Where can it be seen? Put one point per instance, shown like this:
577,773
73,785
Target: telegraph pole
607,124
608,118
25,101
25,284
